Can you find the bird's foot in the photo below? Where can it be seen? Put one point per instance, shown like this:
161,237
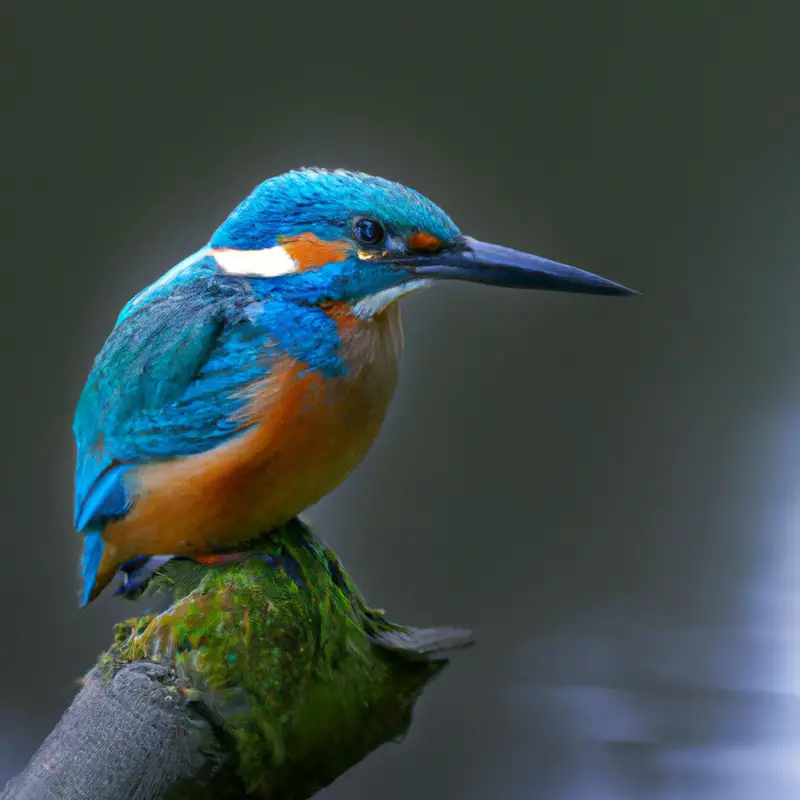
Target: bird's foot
136,574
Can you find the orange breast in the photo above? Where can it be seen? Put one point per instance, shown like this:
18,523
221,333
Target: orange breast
309,434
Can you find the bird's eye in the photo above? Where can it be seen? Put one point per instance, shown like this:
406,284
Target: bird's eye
368,231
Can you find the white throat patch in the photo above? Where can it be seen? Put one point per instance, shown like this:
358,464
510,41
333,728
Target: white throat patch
375,303
268,263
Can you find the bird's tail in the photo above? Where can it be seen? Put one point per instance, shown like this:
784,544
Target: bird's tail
98,564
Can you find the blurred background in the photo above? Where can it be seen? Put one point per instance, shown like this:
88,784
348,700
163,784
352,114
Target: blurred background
606,491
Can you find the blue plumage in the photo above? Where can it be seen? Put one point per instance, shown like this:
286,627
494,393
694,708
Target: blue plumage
306,333
172,379
93,546
325,202
299,274
130,408
108,499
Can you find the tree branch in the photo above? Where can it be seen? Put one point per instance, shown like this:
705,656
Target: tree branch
267,677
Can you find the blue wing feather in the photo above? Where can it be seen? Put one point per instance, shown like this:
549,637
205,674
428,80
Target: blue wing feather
109,498
170,381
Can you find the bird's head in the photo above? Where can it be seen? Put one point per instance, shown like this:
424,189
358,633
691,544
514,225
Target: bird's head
346,237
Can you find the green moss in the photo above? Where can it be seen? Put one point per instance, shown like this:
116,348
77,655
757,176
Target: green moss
284,655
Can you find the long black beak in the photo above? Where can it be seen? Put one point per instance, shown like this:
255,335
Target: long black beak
492,264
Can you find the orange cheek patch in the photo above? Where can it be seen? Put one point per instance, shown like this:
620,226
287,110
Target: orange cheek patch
424,242
309,251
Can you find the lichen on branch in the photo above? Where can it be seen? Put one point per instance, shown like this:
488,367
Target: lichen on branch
282,652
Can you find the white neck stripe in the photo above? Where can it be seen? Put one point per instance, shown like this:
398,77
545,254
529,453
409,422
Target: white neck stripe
375,303
268,263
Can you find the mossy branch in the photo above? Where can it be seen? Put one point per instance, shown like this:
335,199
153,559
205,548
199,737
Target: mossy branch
267,678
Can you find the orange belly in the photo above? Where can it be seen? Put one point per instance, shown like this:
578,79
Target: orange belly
309,433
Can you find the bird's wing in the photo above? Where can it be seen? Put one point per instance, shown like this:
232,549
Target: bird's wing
170,381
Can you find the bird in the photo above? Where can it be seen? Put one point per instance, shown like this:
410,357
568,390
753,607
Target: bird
248,381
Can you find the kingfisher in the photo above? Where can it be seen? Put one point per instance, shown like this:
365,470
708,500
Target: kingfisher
249,380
